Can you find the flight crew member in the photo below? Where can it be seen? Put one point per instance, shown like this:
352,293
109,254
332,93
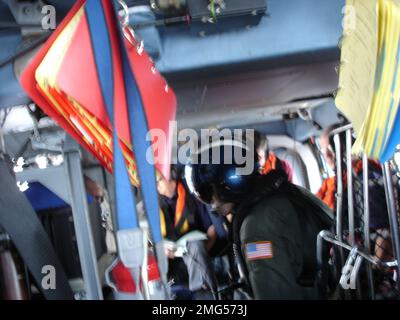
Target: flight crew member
267,160
275,224
182,213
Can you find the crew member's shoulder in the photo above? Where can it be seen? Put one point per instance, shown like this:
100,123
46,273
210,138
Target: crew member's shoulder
269,211
276,205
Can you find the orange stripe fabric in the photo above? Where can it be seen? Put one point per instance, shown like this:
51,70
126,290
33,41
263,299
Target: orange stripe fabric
180,203
327,192
180,206
270,163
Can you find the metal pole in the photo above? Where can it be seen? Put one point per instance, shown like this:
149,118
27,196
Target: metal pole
83,230
339,193
394,226
144,271
350,200
2,142
367,243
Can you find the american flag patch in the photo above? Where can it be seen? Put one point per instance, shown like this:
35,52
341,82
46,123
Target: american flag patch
259,250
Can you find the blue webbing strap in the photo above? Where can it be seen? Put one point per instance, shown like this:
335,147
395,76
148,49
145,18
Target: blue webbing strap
139,130
129,236
146,170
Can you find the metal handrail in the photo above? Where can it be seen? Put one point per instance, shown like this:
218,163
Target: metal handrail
364,251
330,237
341,129
350,199
393,222
339,192
367,243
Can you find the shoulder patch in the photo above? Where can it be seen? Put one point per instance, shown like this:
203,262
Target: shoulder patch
259,250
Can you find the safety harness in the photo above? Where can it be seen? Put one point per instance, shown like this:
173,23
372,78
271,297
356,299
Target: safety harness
103,20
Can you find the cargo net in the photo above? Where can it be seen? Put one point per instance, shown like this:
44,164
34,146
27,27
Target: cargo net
376,275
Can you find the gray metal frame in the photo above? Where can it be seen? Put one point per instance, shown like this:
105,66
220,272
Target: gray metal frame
66,181
350,200
337,238
80,211
330,237
367,243
393,220
339,194
51,178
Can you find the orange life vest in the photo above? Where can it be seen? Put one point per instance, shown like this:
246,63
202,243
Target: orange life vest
270,163
180,206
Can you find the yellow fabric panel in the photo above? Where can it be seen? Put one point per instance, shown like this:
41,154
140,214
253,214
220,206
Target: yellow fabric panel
357,71
369,81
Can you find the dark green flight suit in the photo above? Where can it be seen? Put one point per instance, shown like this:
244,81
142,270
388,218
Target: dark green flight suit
292,238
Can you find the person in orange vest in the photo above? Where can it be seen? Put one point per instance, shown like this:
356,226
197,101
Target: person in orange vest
180,214
267,159
328,188
379,224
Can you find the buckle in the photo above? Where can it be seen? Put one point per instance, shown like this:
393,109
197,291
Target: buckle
130,247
